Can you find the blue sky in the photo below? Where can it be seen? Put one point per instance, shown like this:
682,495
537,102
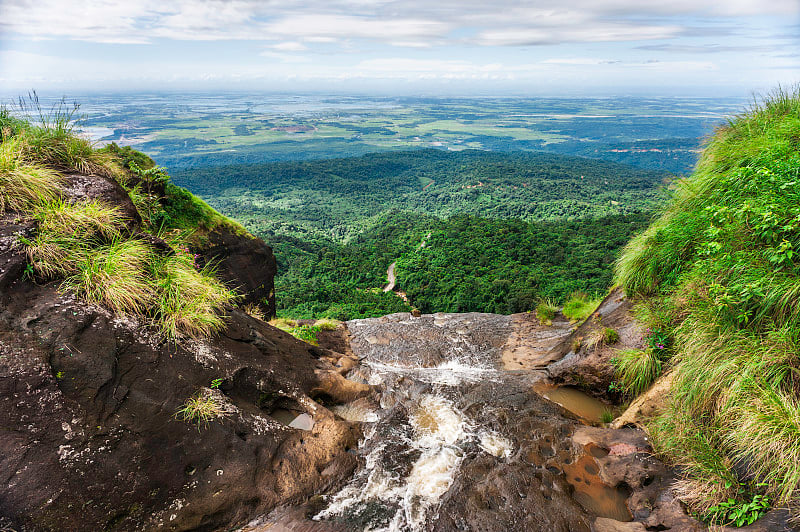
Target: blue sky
550,47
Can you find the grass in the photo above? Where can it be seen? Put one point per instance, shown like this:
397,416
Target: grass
602,336
88,246
24,185
84,244
637,369
114,275
48,137
327,324
306,333
579,306
717,279
254,311
203,407
545,312
607,416
188,301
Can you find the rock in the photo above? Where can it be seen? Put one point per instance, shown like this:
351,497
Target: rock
82,187
91,436
624,458
532,345
646,405
589,367
12,258
246,263
604,524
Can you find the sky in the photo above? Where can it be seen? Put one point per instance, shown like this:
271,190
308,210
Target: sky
454,47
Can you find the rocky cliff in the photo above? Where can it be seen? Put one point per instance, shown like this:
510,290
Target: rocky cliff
89,434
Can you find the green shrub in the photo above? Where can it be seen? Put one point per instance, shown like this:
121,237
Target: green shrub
545,312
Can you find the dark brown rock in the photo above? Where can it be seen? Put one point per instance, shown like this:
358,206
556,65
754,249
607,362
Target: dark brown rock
246,263
589,366
103,189
89,436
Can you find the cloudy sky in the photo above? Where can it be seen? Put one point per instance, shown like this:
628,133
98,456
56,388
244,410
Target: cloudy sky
538,47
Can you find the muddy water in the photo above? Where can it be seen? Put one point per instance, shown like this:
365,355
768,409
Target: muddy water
579,403
453,441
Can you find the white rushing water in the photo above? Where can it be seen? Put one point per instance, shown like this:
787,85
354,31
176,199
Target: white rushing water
433,433
416,436
437,428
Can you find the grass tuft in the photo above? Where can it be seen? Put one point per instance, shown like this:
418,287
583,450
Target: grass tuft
114,275
637,369
602,336
254,311
545,312
24,185
188,301
203,407
326,324
48,137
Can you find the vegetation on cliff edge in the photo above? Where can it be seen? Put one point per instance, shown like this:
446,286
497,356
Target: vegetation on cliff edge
717,279
90,246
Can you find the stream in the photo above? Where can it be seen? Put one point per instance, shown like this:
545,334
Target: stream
450,424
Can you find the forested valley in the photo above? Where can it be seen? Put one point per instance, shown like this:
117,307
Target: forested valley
469,231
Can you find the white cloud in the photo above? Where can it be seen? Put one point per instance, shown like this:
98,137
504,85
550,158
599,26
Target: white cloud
398,22
290,46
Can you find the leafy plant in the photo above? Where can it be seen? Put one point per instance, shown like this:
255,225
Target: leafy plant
743,510
656,339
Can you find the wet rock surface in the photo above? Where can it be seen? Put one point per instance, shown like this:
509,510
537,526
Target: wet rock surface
459,442
89,435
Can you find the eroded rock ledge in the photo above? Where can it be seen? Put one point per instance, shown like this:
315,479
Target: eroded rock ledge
88,428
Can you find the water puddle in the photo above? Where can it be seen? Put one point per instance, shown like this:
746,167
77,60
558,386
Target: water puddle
579,403
592,493
293,419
